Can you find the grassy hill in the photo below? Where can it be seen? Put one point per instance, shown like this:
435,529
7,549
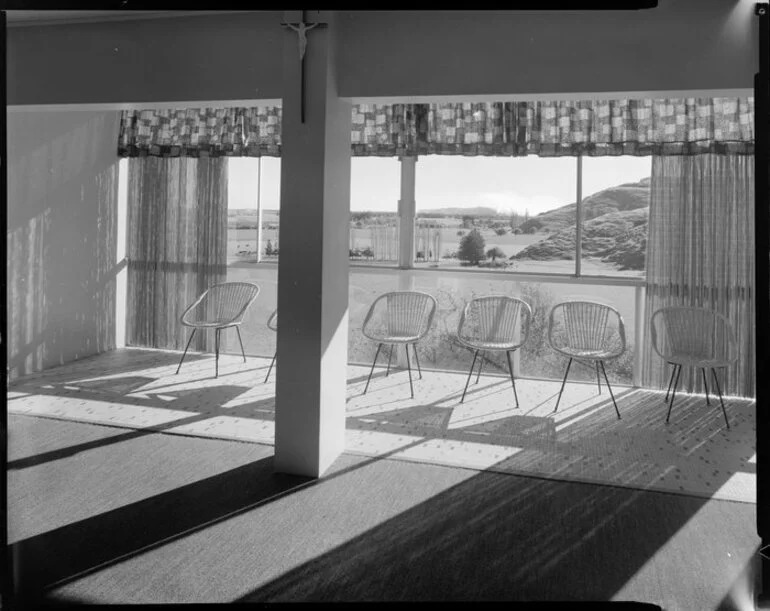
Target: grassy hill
614,229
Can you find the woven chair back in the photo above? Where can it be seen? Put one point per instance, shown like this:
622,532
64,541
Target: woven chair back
495,319
400,314
692,333
223,303
587,326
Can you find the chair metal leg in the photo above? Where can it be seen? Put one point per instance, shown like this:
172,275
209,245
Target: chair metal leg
713,371
673,392
409,369
671,380
470,373
604,371
240,341
598,380
376,354
216,349
481,365
269,369
566,373
390,355
705,385
189,341
513,382
417,358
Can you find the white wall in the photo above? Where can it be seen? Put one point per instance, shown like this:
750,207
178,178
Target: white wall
680,45
62,236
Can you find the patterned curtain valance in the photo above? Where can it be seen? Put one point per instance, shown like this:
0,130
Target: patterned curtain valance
200,132
682,126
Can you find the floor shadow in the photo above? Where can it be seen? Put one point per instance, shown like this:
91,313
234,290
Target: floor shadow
183,400
75,549
493,537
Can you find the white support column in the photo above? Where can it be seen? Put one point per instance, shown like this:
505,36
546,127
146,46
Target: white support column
312,342
638,335
407,210
407,207
121,278
259,209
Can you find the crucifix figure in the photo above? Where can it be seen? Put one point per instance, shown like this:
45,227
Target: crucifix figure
301,29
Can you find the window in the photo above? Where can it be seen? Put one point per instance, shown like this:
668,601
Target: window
253,181
254,186
495,213
615,209
375,184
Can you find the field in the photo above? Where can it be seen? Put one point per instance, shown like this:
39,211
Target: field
241,246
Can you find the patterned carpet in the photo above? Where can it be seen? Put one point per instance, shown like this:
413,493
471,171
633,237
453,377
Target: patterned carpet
695,454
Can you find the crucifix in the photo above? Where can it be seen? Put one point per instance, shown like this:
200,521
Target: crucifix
301,29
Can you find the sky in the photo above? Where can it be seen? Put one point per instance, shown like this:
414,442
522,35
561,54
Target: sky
506,184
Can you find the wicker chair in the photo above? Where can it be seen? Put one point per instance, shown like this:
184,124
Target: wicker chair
585,332
693,337
399,317
221,306
272,324
494,323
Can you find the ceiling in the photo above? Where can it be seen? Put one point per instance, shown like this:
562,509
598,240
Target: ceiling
18,18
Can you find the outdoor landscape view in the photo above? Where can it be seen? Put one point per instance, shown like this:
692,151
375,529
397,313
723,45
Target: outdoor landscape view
537,235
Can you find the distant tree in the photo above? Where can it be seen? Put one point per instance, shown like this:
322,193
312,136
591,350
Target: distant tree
514,220
501,231
532,229
468,222
495,252
517,231
472,248
269,248
461,232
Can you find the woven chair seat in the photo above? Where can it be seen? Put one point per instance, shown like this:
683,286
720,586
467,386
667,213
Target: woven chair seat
396,339
576,353
492,346
696,360
217,322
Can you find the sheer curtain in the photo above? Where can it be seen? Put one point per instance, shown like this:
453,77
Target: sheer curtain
700,252
177,244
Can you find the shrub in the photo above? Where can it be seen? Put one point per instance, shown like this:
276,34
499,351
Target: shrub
501,231
472,248
494,253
